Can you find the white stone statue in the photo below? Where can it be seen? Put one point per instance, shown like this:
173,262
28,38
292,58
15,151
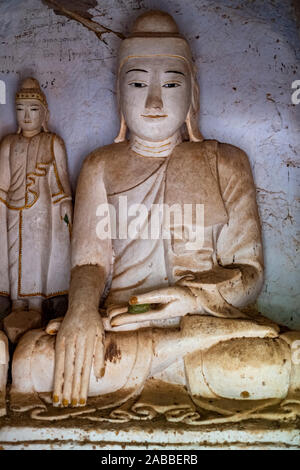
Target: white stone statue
171,317
35,216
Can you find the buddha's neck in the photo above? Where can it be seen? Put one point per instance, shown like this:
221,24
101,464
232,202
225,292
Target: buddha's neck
154,149
31,133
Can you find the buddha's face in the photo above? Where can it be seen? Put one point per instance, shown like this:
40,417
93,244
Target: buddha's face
30,114
155,96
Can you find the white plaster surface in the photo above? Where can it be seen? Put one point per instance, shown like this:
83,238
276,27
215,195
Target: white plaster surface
148,437
247,53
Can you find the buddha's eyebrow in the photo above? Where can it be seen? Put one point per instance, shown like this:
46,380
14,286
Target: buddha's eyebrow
175,71
137,70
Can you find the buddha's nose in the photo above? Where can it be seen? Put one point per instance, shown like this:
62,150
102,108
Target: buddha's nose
154,100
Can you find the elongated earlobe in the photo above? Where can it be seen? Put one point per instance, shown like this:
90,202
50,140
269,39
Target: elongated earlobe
121,137
192,127
19,130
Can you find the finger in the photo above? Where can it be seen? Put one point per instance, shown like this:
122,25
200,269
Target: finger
88,360
70,350
99,361
114,306
154,297
117,311
59,371
53,326
78,367
166,312
106,324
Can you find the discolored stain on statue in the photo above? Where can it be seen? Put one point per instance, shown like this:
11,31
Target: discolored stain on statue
112,353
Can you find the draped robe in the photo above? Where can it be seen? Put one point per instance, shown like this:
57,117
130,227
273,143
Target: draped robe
226,273
34,240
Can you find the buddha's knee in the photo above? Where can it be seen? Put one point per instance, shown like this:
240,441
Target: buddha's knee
33,363
246,368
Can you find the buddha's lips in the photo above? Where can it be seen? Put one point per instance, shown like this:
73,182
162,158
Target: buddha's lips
152,116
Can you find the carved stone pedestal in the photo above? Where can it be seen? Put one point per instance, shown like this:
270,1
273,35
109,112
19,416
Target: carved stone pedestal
16,433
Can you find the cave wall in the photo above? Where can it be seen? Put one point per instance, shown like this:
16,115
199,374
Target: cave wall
247,54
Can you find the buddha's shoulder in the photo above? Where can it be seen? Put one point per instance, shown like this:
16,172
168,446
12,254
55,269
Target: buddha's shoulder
226,155
107,155
232,159
212,146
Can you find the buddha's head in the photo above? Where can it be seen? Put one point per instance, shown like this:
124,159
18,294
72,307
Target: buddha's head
157,86
31,107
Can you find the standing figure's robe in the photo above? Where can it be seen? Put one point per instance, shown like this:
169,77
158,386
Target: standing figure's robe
34,238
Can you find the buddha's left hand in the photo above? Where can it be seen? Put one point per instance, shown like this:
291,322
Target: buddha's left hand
171,302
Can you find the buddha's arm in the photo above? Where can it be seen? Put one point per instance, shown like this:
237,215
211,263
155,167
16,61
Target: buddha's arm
88,247
237,276
239,242
81,336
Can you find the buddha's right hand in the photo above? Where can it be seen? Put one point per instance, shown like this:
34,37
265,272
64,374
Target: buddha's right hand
80,341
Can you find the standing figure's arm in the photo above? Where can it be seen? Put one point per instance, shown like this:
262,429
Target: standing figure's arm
59,180
81,336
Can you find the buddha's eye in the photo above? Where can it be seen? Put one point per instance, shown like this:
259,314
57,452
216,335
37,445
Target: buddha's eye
34,109
138,84
171,85
20,109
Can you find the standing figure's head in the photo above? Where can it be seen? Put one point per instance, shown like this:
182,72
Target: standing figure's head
31,107
157,86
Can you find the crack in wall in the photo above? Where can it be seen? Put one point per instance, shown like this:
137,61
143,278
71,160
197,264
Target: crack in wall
59,8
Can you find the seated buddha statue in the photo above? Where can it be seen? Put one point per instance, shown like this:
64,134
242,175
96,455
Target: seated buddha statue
167,241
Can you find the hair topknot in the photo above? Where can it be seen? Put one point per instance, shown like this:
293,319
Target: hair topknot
155,22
